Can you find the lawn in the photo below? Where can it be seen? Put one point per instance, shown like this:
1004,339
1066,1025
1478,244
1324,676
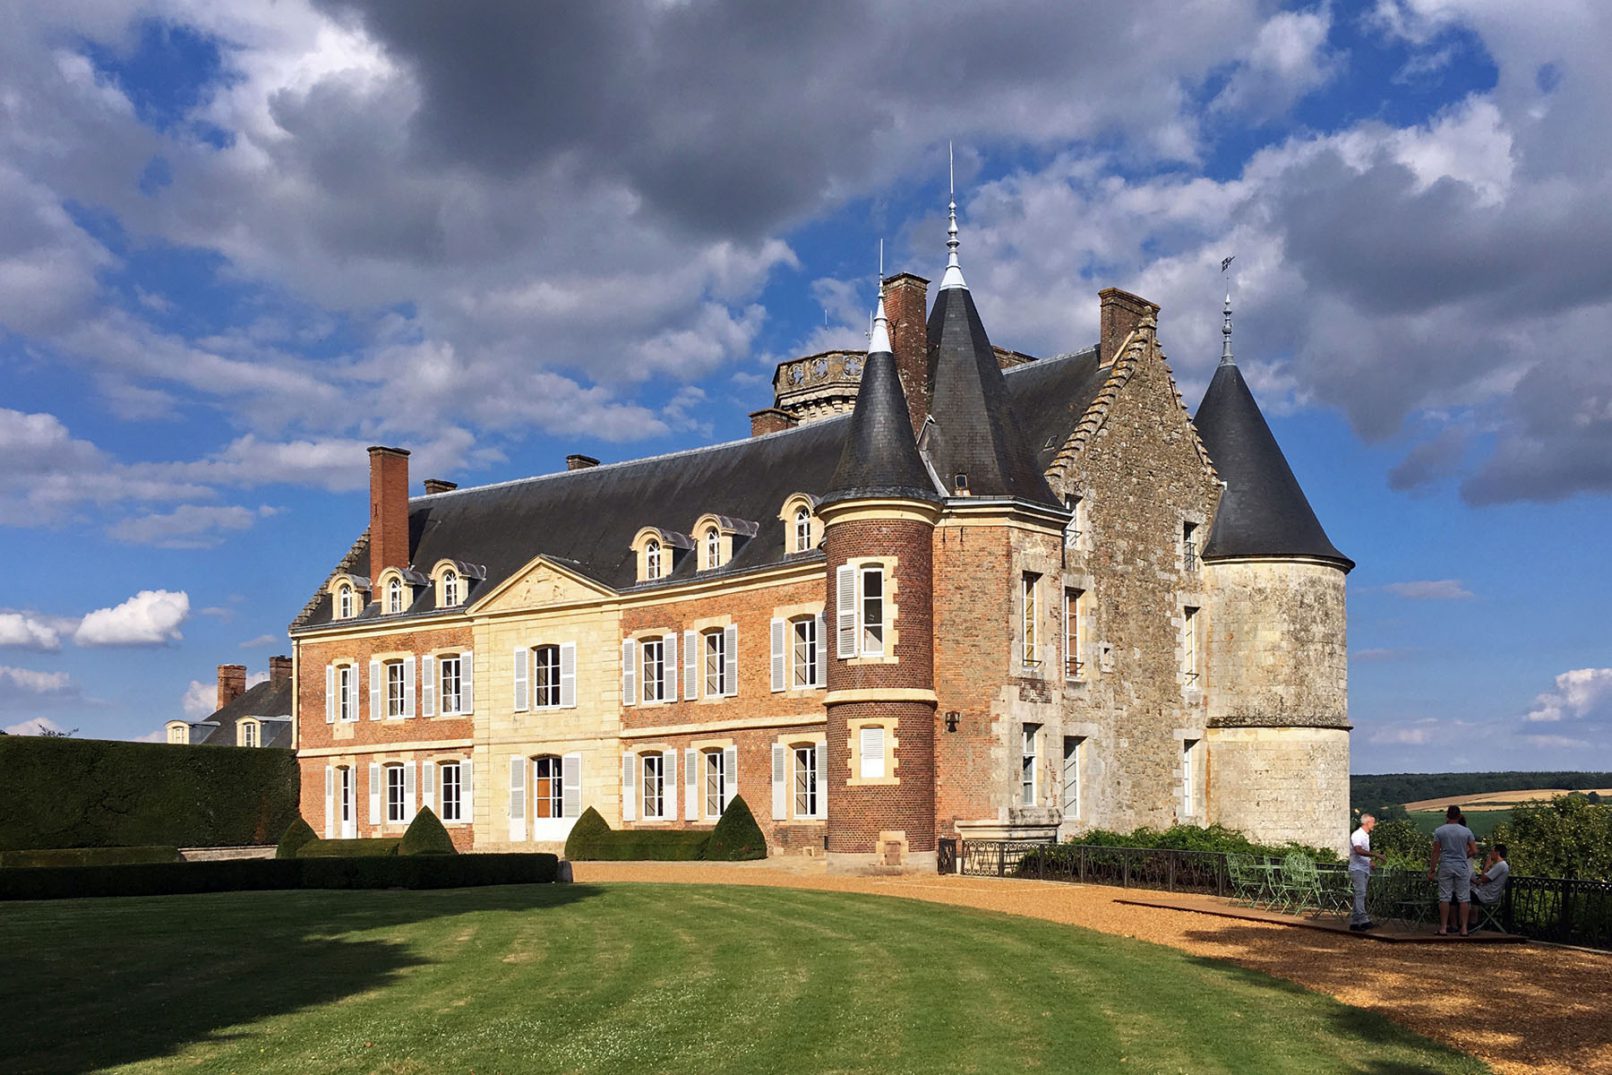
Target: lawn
639,978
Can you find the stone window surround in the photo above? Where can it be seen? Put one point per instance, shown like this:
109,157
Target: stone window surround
638,753
793,503
789,614
854,756
436,656
664,634
355,696
791,740
434,765
1200,521
702,747
1077,580
700,628
383,588
1192,691
892,608
1199,807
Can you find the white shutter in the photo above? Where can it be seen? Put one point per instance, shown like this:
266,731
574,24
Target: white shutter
467,683
691,785
375,793
730,660
568,675
730,776
467,799
670,664
629,678
408,686
521,661
668,762
691,665
820,760
517,798
779,671
411,805
352,692
428,786
629,787
872,753
571,791
845,611
820,665
330,694
330,801
428,686
375,696
780,783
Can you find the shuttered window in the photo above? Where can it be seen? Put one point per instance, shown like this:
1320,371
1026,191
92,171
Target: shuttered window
653,786
451,677
713,645
452,791
871,760
546,677
548,787
397,806
806,789
653,666
872,612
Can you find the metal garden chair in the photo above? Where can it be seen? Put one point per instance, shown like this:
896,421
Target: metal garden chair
1301,884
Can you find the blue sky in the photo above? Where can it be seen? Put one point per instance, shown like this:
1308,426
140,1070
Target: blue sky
241,245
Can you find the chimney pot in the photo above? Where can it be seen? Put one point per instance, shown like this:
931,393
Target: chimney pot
1121,312
231,683
770,420
388,509
438,485
906,304
279,669
575,461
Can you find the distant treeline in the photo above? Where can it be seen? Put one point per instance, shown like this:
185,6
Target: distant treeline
1375,792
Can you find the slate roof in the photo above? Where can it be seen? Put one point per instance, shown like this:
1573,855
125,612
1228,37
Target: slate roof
1263,512
267,699
879,457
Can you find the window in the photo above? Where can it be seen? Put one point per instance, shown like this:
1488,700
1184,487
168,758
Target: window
394,596
1027,773
1030,619
804,652
347,692
450,676
394,689
716,783
1071,777
714,643
654,662
346,799
450,588
396,799
1071,533
452,792
546,676
247,733
654,786
1071,634
1189,646
871,748
548,788
1189,766
803,530
1189,546
805,781
179,734
873,611
652,560
713,548
344,602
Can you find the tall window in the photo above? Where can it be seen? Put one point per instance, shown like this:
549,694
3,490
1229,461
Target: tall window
873,611
1189,774
546,676
450,676
394,688
346,797
1027,769
346,693
344,602
871,748
1071,533
654,786
652,559
450,588
654,666
804,651
716,783
548,787
1189,546
805,781
1071,777
1189,646
803,530
396,803
1072,665
1030,619
394,596
713,548
452,791
715,645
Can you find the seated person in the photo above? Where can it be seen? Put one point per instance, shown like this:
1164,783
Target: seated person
1490,886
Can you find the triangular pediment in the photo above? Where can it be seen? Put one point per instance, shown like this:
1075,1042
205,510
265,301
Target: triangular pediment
542,583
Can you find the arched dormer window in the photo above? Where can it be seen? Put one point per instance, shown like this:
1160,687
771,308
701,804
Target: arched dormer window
344,601
713,548
394,596
652,559
450,588
803,530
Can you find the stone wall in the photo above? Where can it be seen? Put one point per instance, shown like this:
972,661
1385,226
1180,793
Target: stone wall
1281,784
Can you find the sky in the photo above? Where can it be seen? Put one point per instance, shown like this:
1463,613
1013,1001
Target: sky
240,243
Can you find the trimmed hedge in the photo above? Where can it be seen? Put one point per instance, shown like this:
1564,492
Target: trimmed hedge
241,875
89,856
587,834
426,836
737,837
298,836
374,847
66,793
1197,838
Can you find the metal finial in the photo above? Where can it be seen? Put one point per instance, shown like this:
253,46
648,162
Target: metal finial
954,272
879,333
1225,327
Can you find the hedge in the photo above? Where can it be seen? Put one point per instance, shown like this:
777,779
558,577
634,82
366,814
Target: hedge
89,856
737,837
426,836
67,793
241,875
373,847
298,836
592,839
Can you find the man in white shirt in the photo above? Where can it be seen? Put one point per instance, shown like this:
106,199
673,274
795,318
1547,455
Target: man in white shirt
1361,859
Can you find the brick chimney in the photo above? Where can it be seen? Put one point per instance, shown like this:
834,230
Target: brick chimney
1121,313
388,509
231,683
906,304
437,485
576,461
770,420
279,669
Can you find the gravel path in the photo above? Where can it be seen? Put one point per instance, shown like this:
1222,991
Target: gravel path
1522,1008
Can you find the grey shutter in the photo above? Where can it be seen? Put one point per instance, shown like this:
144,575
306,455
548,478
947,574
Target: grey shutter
691,666
629,679
330,801
428,787
819,760
522,663
467,683
428,686
820,652
730,660
352,692
730,776
669,652
872,753
845,611
780,783
668,761
568,676
779,669
375,816
408,686
571,781
411,805
330,694
691,785
467,798
517,798
376,710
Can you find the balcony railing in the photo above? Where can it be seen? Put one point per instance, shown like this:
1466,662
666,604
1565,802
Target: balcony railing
1189,555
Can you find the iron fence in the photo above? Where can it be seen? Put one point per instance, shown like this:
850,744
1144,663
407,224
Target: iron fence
1124,867
1566,910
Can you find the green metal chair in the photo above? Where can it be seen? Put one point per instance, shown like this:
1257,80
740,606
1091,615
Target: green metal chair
1301,884
1247,880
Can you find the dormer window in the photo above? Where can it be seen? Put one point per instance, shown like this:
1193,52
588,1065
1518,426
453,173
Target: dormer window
652,560
803,530
450,588
713,548
344,602
394,596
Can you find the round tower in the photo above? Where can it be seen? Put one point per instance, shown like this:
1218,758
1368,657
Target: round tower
879,517
1276,651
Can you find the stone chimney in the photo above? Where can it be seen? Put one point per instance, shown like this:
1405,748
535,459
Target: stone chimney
770,420
906,304
575,461
438,485
1121,313
231,683
279,669
388,510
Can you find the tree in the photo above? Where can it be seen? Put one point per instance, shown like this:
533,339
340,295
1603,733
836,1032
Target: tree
1566,837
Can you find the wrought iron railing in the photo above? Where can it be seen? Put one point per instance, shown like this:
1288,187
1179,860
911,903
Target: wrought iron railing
1189,555
1566,910
1125,867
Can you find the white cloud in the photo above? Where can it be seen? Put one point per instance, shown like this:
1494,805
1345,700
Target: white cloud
1403,736
188,526
32,682
200,699
23,630
1430,590
262,640
1580,694
149,618
36,726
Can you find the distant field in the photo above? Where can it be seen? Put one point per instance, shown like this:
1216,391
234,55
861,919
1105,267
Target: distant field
1481,822
1495,800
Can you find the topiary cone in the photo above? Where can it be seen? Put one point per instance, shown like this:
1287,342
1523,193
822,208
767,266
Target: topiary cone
298,836
426,836
737,837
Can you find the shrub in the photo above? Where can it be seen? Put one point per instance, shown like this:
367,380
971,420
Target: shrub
298,836
591,829
426,836
90,856
592,839
64,793
1198,838
375,847
737,837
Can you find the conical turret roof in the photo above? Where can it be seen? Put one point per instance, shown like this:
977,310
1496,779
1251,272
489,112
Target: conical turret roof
1263,512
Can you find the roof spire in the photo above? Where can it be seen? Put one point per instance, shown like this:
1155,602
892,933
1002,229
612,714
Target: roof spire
879,336
954,272
1225,327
